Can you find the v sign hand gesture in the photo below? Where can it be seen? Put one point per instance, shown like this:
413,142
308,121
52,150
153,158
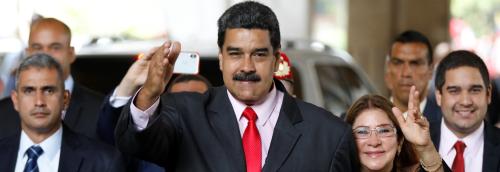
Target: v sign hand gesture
414,126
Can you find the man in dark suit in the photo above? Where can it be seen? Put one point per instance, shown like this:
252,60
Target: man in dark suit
131,82
410,62
463,91
53,37
250,124
43,143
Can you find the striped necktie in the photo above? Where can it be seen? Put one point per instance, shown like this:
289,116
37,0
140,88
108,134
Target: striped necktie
33,153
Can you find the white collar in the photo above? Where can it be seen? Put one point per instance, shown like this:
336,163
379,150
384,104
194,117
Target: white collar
448,138
263,109
69,83
50,145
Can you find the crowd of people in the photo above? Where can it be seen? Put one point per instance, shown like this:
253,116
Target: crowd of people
155,121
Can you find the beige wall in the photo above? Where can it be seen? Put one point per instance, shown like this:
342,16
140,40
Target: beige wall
374,23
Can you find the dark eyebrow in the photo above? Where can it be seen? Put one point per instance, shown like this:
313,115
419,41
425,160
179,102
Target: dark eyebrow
26,87
56,43
452,87
392,59
33,44
229,48
385,124
262,49
53,87
476,86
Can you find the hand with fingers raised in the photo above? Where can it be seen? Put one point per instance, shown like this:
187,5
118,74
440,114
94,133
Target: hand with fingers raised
415,128
160,71
135,76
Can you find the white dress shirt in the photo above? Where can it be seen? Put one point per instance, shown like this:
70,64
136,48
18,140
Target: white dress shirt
48,161
118,101
69,83
267,113
473,153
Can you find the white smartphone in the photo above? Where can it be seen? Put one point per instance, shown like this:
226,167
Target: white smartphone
187,63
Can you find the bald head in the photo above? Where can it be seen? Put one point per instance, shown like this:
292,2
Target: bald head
53,37
53,23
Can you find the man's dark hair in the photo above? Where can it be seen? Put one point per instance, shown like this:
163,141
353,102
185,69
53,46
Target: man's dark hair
250,15
458,59
187,78
412,36
41,61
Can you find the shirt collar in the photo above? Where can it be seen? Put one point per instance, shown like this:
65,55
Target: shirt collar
69,84
448,138
50,146
263,110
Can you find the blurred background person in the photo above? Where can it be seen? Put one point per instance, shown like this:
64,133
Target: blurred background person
410,63
189,83
53,37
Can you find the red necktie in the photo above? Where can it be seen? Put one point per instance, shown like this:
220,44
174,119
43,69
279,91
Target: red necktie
251,142
458,162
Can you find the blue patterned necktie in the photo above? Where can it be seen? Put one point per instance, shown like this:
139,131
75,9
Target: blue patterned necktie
33,153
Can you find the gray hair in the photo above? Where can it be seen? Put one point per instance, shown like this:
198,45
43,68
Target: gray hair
41,61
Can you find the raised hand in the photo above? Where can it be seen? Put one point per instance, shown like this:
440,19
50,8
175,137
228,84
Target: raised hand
136,75
160,71
414,126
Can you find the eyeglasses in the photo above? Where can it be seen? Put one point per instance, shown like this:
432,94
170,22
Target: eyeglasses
382,131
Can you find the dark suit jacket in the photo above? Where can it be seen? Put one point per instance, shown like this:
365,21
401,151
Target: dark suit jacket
81,115
108,117
195,132
432,111
491,154
78,153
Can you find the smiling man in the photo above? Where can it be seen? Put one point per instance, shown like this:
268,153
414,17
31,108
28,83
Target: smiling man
463,91
249,124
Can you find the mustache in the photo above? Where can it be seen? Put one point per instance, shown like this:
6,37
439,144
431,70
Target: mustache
247,77
40,110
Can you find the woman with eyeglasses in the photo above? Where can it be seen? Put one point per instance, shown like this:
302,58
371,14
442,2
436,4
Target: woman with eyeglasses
387,141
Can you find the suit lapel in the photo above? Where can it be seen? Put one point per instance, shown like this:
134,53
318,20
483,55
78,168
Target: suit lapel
223,120
491,150
435,129
8,157
70,158
74,108
432,111
285,134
